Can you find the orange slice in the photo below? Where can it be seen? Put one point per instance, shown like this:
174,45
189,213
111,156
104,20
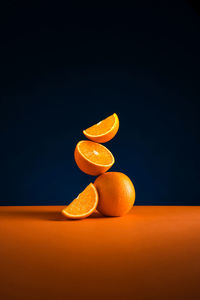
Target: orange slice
83,205
103,131
93,158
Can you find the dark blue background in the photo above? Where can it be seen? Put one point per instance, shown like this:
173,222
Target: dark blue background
66,68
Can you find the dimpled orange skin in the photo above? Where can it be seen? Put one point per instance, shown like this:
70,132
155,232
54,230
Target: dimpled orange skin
116,194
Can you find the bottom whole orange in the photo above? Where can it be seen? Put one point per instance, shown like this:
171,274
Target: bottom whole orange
116,194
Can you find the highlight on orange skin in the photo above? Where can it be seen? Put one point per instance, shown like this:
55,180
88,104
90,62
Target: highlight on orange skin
93,158
116,194
84,205
103,131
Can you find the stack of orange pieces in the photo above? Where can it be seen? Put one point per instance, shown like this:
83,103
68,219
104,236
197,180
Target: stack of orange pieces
112,193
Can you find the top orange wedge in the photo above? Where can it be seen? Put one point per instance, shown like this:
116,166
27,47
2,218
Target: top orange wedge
103,131
83,205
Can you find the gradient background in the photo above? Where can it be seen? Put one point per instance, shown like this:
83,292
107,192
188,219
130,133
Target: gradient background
65,68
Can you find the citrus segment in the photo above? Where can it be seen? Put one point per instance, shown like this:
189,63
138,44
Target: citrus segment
83,205
116,194
93,158
103,131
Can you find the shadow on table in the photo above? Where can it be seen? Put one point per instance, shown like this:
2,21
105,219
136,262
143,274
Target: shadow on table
59,217
39,215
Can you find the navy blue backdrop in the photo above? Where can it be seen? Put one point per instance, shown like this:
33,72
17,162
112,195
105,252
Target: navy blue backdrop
66,68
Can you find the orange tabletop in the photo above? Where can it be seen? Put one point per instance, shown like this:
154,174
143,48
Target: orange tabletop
151,253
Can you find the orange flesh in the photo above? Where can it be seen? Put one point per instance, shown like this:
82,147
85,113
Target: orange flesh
101,127
84,203
96,153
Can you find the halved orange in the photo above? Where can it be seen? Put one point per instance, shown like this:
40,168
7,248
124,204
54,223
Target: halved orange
83,205
103,131
93,158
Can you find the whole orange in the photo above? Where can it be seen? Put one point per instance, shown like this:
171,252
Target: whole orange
116,194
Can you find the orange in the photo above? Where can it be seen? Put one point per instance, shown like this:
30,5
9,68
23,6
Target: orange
116,194
103,131
83,205
93,158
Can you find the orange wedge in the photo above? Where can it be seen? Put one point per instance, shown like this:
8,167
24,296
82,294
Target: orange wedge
93,158
103,131
83,205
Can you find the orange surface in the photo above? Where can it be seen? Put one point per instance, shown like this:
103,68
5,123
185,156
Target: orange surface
151,253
